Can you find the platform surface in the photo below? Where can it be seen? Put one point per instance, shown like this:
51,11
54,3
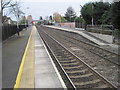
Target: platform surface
81,33
46,75
12,53
108,46
38,69
27,76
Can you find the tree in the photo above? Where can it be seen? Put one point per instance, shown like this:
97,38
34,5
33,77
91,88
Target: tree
100,8
63,19
70,14
12,7
23,20
57,17
6,4
17,12
79,19
107,17
116,15
95,11
86,12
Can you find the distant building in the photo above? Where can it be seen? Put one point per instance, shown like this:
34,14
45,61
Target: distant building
8,20
29,19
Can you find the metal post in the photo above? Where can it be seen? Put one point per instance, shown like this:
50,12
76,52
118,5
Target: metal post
25,21
92,15
113,38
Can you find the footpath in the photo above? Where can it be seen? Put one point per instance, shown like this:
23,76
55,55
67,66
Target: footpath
12,53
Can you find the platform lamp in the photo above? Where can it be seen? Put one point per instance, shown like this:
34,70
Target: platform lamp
92,14
26,17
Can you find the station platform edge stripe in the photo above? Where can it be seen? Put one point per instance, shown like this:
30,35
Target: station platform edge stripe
22,64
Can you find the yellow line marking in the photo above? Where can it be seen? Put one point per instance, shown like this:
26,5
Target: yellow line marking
21,65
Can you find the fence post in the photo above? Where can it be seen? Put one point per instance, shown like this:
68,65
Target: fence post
113,35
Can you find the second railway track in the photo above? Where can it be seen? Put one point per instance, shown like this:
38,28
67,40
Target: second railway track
88,45
80,74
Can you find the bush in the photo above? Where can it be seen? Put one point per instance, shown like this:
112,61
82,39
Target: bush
116,15
117,33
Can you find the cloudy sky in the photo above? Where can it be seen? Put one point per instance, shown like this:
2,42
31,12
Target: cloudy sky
48,7
45,8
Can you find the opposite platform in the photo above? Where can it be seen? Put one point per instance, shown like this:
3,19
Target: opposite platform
81,33
106,45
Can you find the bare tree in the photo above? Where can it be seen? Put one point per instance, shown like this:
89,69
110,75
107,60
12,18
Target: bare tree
6,4
17,12
9,5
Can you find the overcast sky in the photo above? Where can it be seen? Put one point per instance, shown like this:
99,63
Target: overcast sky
45,8
48,7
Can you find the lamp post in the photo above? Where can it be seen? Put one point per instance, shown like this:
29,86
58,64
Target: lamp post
26,17
92,15
25,20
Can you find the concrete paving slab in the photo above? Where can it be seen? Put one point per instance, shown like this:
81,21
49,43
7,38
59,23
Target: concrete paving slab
45,73
43,59
43,54
50,82
27,77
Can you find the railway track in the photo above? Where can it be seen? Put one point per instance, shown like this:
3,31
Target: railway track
88,45
78,73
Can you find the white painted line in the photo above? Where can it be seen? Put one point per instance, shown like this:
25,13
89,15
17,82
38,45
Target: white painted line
58,74
37,45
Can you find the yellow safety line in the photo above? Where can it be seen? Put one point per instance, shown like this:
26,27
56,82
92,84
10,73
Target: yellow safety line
21,65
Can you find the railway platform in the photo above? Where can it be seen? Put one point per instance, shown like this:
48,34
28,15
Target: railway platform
39,71
46,73
12,53
81,33
27,63
105,41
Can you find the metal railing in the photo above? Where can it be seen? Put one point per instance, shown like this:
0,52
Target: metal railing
79,24
102,29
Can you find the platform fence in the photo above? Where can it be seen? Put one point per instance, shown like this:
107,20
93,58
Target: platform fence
9,30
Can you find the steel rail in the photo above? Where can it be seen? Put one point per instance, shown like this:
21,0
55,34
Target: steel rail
92,45
89,67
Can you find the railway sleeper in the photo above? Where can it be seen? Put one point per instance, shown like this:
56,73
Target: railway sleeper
75,67
70,63
77,71
81,76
